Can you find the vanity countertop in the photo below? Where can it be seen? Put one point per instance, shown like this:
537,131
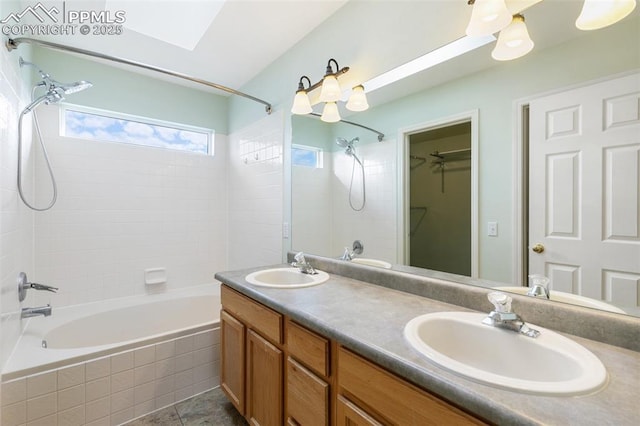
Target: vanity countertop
369,319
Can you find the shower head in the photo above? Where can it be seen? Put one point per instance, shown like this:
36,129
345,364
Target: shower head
345,143
55,89
69,88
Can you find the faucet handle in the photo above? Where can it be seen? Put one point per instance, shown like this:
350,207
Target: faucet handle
299,258
37,286
501,302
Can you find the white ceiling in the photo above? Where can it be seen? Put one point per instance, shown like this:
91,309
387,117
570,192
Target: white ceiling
371,36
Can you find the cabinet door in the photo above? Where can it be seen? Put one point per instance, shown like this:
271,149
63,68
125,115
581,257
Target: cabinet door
232,334
348,414
307,396
264,381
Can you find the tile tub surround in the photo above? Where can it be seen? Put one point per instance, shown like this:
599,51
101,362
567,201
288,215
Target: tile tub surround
369,319
117,388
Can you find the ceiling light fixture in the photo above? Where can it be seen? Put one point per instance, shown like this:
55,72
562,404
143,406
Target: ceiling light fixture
330,94
598,14
513,41
487,17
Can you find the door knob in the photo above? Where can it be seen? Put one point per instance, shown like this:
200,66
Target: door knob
538,248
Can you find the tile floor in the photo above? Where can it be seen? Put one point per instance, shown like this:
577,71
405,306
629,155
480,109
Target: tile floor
209,408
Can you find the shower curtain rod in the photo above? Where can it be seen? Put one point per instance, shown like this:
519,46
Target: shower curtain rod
380,135
13,43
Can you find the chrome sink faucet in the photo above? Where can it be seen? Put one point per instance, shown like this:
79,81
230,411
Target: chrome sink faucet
34,312
540,286
301,263
503,317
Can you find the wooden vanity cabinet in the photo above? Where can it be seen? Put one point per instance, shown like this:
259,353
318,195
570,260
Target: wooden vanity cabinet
308,377
251,364
277,372
388,399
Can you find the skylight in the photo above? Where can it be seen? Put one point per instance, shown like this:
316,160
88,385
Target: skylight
158,19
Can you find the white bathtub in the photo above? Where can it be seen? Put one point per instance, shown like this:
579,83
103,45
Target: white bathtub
79,333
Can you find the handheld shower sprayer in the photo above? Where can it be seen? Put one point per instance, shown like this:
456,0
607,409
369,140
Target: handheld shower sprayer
54,93
350,150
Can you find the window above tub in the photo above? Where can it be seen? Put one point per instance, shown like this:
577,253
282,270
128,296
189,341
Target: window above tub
108,126
306,156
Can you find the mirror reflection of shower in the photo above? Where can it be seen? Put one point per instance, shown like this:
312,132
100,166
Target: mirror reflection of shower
54,92
350,150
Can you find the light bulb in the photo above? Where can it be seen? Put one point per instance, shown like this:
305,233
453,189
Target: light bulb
301,103
330,91
330,113
488,17
513,41
598,14
358,99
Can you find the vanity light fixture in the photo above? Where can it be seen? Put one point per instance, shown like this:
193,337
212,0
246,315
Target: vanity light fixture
487,17
330,94
513,41
598,14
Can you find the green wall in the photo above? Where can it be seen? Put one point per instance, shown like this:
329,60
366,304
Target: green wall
119,89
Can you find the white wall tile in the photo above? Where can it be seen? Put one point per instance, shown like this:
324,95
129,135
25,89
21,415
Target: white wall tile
165,367
165,350
51,420
104,421
70,376
98,368
121,362
41,406
122,380
70,397
145,355
98,389
14,391
97,409
122,400
144,374
41,384
14,414
122,416
144,393
184,362
71,417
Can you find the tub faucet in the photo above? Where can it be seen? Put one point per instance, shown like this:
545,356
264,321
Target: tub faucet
503,317
349,254
301,263
34,312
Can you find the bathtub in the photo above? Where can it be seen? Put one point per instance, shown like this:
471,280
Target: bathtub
130,356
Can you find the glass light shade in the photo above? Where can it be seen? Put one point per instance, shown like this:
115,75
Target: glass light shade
488,17
301,104
513,41
330,113
330,91
601,13
358,99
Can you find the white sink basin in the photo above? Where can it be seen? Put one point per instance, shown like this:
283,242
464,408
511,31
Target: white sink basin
550,364
285,278
371,262
574,299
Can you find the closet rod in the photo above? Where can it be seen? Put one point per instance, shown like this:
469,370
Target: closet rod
455,151
380,135
13,43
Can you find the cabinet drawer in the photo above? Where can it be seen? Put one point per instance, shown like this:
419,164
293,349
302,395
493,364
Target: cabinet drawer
255,315
309,348
307,396
349,414
393,399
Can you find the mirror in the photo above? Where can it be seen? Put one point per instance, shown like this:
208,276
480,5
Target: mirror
323,222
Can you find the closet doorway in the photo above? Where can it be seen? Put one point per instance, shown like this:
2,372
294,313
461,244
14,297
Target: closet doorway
440,191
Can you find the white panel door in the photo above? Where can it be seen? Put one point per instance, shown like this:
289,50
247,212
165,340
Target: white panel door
584,190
